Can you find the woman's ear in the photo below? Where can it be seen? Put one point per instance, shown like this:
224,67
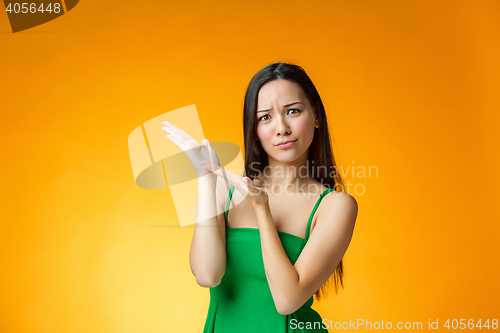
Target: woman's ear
316,121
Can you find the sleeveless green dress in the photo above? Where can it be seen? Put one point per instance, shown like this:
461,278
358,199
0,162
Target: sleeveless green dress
242,302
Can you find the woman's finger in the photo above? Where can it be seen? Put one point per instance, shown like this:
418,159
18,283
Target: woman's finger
174,134
254,186
171,129
213,154
253,189
179,132
208,146
257,183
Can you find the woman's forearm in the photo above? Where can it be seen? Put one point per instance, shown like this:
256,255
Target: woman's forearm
281,274
207,256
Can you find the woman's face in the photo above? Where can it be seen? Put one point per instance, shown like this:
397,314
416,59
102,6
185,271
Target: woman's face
284,114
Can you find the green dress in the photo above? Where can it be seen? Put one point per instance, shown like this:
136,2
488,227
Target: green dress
242,302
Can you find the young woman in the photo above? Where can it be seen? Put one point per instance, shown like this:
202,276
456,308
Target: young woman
290,222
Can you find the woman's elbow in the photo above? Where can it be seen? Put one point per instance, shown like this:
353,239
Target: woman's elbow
285,310
208,281
286,307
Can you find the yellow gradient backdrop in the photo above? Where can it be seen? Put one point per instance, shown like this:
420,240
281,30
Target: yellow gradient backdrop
410,87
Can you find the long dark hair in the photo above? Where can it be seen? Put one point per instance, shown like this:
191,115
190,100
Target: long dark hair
320,153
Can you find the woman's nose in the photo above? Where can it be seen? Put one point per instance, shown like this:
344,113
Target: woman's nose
283,128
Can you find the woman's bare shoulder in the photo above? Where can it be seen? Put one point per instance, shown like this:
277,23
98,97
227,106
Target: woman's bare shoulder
340,203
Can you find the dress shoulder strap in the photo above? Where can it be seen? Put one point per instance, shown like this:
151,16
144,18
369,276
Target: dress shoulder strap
325,192
228,202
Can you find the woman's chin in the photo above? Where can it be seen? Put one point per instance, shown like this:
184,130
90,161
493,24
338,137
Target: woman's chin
288,157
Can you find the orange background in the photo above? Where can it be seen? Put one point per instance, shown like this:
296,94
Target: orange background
410,87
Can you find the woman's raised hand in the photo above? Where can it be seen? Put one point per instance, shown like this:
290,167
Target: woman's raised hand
194,151
251,190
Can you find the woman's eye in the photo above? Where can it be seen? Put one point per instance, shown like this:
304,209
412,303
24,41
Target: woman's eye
296,111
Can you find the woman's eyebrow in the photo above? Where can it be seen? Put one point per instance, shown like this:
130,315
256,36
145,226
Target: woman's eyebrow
285,106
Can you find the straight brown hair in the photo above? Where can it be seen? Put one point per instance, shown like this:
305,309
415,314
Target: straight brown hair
320,153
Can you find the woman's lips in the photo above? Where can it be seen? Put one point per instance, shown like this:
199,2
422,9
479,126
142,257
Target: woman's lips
286,145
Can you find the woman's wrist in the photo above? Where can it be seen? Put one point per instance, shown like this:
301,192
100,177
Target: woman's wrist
207,182
261,207
264,216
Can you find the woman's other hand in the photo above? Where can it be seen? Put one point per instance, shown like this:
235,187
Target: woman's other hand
251,190
194,151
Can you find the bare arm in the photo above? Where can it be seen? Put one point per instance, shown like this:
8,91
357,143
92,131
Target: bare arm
292,285
207,256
